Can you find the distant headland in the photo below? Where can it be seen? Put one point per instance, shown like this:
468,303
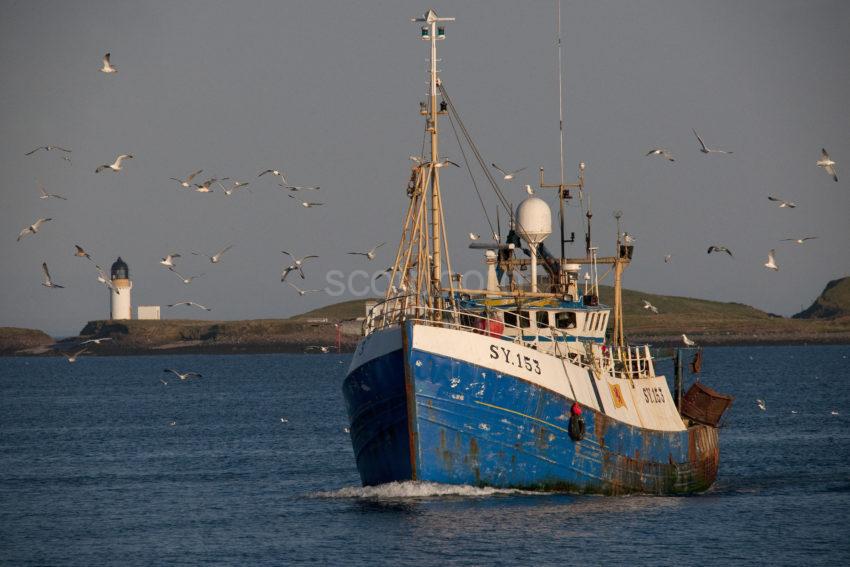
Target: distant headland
826,321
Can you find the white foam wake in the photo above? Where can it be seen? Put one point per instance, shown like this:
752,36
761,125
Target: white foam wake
416,489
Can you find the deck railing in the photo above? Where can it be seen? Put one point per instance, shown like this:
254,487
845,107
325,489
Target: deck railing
632,362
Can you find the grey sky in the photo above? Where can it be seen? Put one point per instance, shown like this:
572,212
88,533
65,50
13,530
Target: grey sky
328,92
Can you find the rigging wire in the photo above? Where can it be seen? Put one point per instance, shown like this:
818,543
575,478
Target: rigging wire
471,176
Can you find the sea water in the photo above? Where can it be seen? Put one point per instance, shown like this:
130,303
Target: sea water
102,463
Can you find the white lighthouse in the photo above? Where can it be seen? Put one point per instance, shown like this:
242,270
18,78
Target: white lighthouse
121,306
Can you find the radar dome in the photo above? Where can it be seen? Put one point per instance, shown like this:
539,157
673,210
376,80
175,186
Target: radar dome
534,220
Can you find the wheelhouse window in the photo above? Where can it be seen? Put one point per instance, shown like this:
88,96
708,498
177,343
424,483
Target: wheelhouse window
603,318
524,319
565,320
542,318
510,319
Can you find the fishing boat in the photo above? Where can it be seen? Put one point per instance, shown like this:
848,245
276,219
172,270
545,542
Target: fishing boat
528,382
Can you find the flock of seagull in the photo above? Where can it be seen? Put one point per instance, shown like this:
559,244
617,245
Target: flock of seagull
226,185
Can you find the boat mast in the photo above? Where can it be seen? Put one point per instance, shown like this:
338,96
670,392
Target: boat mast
433,31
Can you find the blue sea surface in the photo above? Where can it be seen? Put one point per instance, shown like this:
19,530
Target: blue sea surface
103,464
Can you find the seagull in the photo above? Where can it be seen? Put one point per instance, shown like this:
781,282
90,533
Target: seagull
661,152
185,182
628,238
529,189
651,307
346,430
72,358
473,236
46,195
80,253
33,228
306,204
290,268
172,423
96,341
833,412
216,258
771,261
688,342
508,174
667,258
206,186
762,406
303,292
107,65
116,167
715,248
370,254
827,164
443,163
707,150
168,261
101,277
284,420
296,188
184,375
275,172
236,185
798,240
185,280
190,304
47,281
386,270
782,204
298,262
322,349
47,148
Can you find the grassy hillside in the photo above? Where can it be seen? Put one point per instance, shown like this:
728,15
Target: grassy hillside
832,303
13,339
338,311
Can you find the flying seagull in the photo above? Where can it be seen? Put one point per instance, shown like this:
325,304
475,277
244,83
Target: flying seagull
667,258
715,248
319,348
529,189
298,262
190,304
206,186
101,277
771,261
687,341
307,204
215,258
474,236
370,254
46,195
184,375
798,240
827,164
80,253
72,358
290,268
186,182
47,148
782,203
651,307
116,167
661,152
275,172
236,185
96,341
707,150
107,65
295,188
184,279
33,228
508,174
168,261
47,281
762,406
303,292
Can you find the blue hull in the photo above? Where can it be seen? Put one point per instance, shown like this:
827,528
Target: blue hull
427,417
